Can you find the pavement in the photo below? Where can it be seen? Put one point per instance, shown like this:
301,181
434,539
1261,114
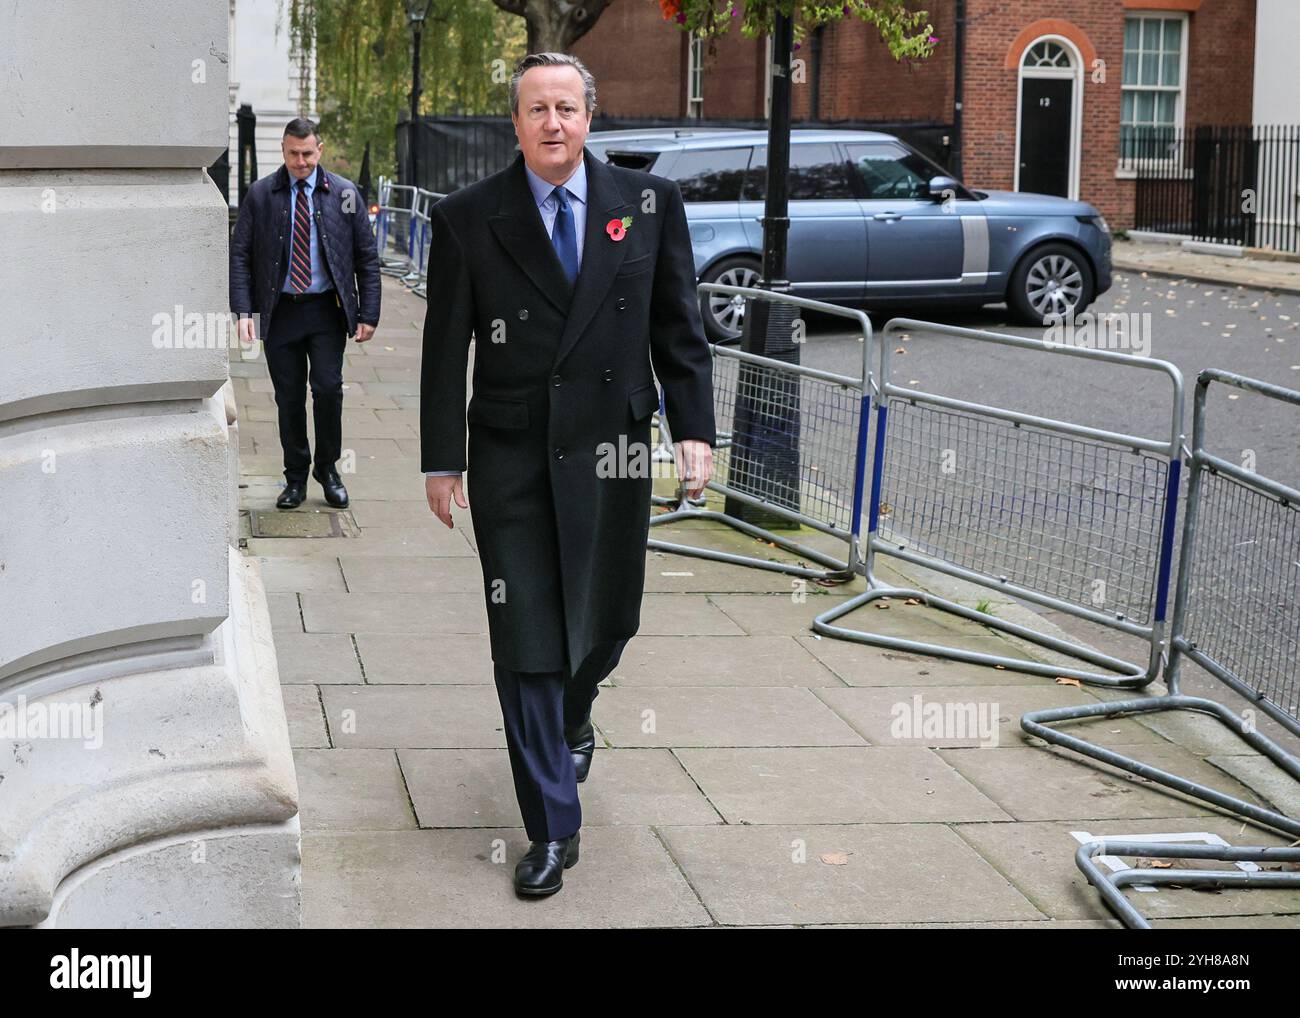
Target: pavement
748,773
1156,259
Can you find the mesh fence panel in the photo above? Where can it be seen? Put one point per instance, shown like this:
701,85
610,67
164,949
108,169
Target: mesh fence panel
1070,517
1244,589
786,437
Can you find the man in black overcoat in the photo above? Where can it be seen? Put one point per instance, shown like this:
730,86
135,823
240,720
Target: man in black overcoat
576,280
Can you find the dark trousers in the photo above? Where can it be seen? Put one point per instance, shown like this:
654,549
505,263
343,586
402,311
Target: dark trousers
305,344
538,707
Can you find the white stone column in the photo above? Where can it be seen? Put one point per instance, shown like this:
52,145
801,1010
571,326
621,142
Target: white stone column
146,777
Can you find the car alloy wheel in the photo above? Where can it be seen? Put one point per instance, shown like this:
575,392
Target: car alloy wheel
729,312
1054,285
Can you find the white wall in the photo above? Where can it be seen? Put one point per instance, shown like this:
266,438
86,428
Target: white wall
1277,83
1277,72
264,73
121,596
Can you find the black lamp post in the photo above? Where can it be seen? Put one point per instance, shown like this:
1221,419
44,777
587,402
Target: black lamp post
765,444
416,12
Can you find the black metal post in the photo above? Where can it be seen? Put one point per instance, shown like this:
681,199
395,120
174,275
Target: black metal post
417,26
765,445
246,121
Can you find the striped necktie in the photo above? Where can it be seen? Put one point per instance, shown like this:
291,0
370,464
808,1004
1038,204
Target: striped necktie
300,259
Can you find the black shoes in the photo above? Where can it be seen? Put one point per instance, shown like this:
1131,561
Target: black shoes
582,743
295,491
335,494
541,870
291,497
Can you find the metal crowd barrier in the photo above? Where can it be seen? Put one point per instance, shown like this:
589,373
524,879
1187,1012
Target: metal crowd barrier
1236,612
393,227
1043,510
402,232
1109,884
819,421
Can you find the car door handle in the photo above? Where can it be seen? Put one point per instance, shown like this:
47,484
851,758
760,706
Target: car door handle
887,217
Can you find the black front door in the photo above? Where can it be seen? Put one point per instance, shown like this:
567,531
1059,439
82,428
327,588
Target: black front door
1046,105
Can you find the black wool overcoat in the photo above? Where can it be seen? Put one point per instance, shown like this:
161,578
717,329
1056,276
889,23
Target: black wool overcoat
563,392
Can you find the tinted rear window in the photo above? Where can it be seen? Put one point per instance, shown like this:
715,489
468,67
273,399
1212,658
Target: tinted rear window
711,174
816,171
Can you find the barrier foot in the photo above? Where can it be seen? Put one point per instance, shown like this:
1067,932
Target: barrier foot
835,570
1037,722
1131,676
1109,884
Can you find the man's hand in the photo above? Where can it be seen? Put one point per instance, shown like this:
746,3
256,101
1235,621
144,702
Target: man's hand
364,332
440,491
694,465
247,333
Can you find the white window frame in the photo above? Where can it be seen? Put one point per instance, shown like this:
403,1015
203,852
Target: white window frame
695,76
1129,167
1075,73
767,77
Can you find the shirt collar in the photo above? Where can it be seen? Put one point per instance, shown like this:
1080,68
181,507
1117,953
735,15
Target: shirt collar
312,180
576,185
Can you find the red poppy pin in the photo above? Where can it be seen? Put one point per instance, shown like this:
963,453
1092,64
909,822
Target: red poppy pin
617,228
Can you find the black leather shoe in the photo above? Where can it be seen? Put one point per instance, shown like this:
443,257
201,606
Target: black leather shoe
541,870
582,743
291,497
335,494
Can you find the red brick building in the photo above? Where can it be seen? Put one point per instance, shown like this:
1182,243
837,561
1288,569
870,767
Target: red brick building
1047,87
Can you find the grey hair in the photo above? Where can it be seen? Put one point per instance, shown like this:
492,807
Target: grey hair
553,60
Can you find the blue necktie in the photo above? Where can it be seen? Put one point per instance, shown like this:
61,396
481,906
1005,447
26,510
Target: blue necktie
563,236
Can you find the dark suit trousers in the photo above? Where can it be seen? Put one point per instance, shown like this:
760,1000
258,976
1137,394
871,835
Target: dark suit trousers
538,707
305,343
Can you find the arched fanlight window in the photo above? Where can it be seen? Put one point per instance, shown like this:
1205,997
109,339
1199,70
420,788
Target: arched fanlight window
1047,54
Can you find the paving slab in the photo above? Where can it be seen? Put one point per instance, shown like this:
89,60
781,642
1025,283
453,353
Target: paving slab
407,575
1054,784
394,613
456,659
302,708
695,660
322,658
756,875
859,664
286,615
412,512
835,785
352,789
718,716
299,573
458,878
414,717
387,541
680,573
986,716
473,788
684,615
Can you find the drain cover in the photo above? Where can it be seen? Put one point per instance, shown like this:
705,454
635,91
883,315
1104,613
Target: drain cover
299,523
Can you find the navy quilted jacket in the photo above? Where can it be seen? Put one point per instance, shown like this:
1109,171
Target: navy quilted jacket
258,249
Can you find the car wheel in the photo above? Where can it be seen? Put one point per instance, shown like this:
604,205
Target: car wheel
724,316
1051,280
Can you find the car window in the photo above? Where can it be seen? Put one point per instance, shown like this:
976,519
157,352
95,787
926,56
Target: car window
633,160
889,171
711,174
816,171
